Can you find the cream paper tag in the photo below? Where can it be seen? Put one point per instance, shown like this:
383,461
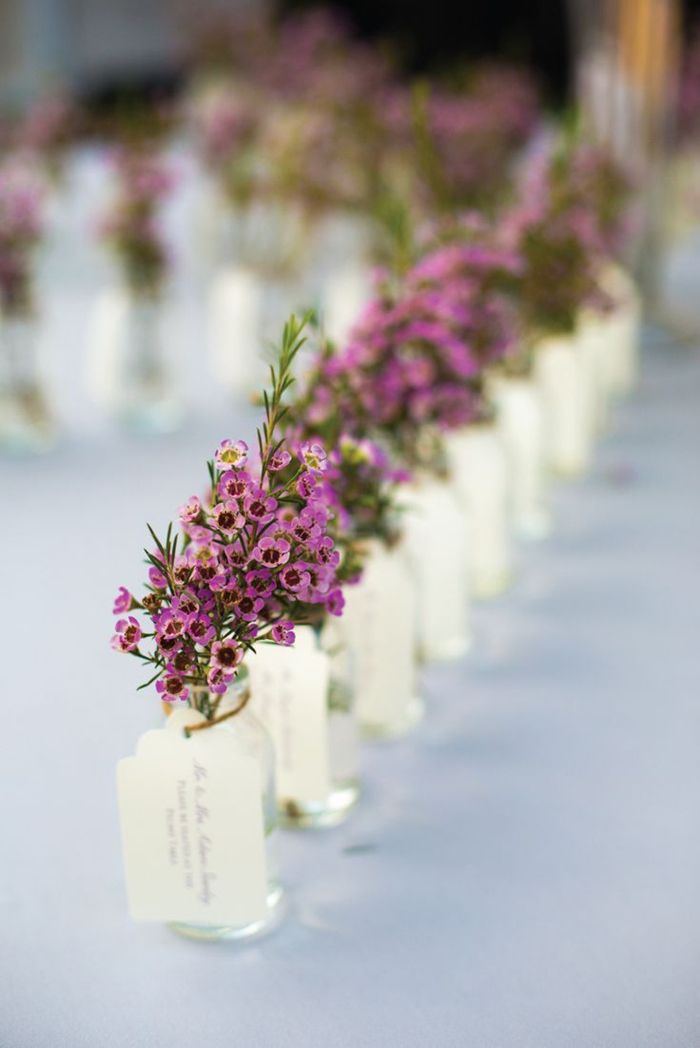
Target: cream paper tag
192,827
289,688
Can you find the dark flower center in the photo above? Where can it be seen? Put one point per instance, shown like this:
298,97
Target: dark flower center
227,520
227,657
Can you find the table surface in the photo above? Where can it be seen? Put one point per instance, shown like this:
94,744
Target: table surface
521,873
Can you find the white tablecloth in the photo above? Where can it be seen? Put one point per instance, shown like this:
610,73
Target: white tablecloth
523,872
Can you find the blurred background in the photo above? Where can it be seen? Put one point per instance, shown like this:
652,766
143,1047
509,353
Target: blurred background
79,76
137,139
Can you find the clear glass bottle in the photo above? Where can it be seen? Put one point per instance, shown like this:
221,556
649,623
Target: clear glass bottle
343,750
561,378
25,420
256,285
145,398
479,467
520,421
254,741
379,625
436,530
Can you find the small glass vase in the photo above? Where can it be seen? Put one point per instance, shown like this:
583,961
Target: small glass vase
25,421
255,287
144,397
254,741
344,791
479,466
435,528
520,422
622,358
379,625
561,378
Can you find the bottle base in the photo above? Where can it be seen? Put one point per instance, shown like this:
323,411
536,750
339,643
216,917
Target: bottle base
377,731
276,909
568,470
488,586
26,427
447,649
312,815
533,526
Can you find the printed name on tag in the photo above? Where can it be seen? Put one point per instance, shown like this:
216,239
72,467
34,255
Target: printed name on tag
289,688
192,827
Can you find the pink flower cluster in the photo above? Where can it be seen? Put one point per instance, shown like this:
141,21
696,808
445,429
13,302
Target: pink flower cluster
414,359
255,556
291,116
227,124
48,126
557,231
131,224
461,141
360,485
21,228
608,187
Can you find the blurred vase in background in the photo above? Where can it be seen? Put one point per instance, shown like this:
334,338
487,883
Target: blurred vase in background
437,545
621,366
520,422
561,378
25,420
304,696
479,466
132,371
379,626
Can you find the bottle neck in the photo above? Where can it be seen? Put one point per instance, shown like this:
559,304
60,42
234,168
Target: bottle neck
214,706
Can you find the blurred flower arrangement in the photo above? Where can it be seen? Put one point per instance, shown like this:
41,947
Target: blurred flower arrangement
287,122
302,112
21,230
252,558
608,188
412,367
47,130
359,481
25,420
555,227
130,227
459,139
